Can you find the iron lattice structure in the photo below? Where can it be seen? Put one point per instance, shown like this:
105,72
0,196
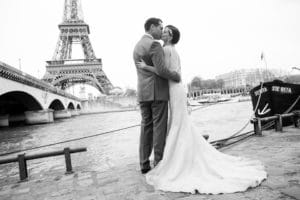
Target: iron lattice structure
63,71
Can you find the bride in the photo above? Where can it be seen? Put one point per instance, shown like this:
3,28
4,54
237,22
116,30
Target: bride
190,163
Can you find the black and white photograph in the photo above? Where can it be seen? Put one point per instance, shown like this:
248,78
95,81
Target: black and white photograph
150,100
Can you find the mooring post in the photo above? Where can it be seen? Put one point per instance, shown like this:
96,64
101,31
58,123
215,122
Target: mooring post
257,126
22,167
68,161
296,118
22,158
278,123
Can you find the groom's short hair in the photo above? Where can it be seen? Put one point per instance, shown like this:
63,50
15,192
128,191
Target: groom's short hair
150,21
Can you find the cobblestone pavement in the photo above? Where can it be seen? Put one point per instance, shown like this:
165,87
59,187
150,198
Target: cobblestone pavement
107,171
280,152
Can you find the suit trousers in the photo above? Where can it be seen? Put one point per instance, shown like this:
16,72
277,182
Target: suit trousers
153,131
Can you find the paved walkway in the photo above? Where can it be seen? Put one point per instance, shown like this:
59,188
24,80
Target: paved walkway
280,152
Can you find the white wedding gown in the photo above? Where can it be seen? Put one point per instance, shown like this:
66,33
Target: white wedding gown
190,163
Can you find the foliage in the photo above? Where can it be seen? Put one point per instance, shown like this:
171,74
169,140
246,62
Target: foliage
199,83
196,82
130,92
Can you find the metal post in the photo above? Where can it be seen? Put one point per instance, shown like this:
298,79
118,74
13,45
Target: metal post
278,123
257,126
68,161
22,167
296,118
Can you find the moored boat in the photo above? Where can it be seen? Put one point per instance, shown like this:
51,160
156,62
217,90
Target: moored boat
213,99
192,102
275,97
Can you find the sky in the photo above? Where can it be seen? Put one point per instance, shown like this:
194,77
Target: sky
217,36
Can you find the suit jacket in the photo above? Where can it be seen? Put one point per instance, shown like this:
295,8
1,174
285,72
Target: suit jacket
150,86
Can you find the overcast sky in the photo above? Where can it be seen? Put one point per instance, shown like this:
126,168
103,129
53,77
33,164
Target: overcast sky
217,36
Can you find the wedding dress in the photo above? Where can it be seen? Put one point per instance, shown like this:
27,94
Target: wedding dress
190,163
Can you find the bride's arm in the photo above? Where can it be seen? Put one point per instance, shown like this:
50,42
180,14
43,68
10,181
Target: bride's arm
143,65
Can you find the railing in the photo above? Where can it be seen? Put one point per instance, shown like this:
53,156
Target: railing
22,158
52,63
11,73
257,122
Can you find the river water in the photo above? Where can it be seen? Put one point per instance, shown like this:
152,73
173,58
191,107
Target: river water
112,149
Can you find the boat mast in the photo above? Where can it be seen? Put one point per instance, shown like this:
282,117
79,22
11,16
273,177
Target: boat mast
266,75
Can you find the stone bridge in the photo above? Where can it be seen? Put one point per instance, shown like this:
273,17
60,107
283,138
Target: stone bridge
24,98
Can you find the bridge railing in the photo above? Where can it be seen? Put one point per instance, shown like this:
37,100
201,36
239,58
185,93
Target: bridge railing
74,61
14,74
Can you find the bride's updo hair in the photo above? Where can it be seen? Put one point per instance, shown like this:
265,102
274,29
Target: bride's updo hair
174,33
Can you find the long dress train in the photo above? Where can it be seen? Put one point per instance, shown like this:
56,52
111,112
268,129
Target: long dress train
190,163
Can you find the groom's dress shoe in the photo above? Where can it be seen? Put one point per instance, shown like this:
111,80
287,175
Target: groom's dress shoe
144,171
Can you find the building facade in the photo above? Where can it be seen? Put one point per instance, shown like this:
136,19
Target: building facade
249,77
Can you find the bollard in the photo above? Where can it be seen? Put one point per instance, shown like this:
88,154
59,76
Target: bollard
68,161
22,158
278,123
22,167
296,118
257,126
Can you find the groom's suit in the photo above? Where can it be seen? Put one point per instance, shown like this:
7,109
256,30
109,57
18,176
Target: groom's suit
153,96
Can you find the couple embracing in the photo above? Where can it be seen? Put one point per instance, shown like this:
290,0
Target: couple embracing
183,160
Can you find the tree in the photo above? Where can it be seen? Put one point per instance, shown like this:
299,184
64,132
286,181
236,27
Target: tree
209,84
196,82
220,83
130,92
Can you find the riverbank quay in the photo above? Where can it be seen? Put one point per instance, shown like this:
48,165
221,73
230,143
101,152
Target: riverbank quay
118,180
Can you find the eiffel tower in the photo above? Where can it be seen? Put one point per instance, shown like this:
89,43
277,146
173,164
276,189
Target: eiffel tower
63,71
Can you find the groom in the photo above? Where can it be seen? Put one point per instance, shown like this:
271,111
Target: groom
152,93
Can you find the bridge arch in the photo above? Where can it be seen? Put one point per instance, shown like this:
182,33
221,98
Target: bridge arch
71,80
71,106
14,102
24,98
56,105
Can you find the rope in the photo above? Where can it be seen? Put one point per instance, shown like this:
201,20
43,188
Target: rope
232,137
218,147
247,123
253,114
71,140
291,107
236,134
